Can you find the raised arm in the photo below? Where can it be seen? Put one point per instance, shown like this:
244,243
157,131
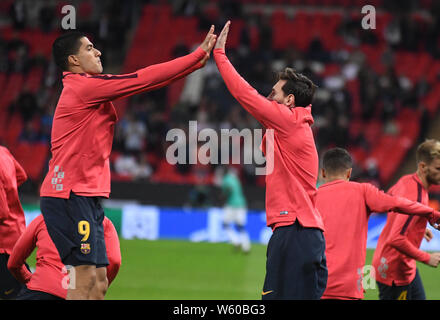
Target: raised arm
197,66
100,88
268,113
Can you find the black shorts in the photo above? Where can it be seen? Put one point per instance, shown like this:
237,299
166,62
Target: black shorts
413,291
27,294
9,286
296,267
75,227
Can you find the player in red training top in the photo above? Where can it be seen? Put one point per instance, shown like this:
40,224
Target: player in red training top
295,267
345,207
12,221
398,247
50,279
81,139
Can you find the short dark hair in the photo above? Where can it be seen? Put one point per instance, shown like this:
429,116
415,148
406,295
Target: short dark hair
336,161
299,85
428,151
65,45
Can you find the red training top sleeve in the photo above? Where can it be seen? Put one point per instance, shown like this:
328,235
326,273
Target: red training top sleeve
4,209
379,201
21,251
398,234
269,113
113,249
179,76
20,173
401,243
101,88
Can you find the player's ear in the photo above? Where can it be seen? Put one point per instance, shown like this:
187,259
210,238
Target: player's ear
290,100
349,171
72,60
323,173
422,166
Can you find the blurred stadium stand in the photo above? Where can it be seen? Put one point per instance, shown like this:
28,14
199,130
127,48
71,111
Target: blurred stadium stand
379,90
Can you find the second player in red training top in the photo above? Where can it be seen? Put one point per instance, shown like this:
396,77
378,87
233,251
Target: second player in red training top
291,187
50,273
12,220
345,207
84,120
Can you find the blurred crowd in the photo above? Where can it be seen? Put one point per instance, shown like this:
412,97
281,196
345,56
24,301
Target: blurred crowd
140,146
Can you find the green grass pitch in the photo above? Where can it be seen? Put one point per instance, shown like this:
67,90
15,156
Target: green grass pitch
183,270
180,270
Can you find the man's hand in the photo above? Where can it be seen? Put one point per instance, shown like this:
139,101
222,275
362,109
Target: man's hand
428,235
434,220
434,259
205,59
209,41
221,41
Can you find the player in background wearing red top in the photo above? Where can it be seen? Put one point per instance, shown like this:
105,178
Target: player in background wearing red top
345,207
49,281
12,220
295,266
81,142
398,247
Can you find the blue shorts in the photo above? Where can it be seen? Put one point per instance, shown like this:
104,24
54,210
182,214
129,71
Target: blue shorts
296,267
75,227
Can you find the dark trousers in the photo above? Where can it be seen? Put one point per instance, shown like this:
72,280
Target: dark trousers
413,291
27,294
9,286
296,266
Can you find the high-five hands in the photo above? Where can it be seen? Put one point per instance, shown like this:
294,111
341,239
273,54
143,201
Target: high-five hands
212,39
221,40
208,44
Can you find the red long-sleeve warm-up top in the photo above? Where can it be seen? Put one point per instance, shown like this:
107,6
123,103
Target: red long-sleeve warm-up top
345,208
50,276
12,220
398,247
291,186
84,120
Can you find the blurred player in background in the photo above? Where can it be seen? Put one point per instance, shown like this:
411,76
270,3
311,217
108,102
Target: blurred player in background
296,265
81,139
49,281
345,207
12,220
235,209
398,247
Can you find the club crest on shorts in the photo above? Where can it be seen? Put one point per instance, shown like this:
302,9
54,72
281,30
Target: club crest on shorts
85,248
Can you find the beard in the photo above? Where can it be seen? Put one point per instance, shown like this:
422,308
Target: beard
430,178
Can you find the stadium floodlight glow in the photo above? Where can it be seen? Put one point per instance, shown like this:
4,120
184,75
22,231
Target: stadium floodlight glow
185,150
